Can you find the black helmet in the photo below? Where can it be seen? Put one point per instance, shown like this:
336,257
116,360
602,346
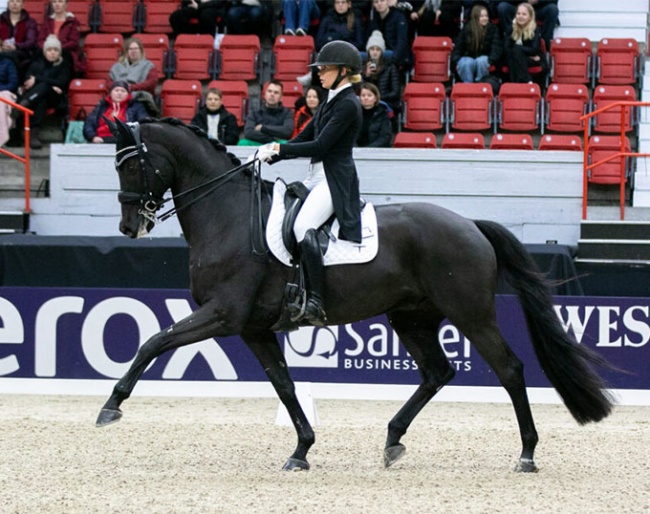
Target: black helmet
339,53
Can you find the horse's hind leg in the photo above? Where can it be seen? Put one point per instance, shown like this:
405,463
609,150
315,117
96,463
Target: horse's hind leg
264,345
418,331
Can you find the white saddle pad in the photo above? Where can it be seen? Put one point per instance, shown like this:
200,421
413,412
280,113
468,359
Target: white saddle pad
339,251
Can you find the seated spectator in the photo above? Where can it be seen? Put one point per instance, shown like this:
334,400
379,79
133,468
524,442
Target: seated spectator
305,109
140,73
340,24
376,131
523,48
272,122
393,26
199,17
215,120
8,87
65,27
382,73
477,47
248,16
438,18
46,86
119,104
18,33
298,15
546,11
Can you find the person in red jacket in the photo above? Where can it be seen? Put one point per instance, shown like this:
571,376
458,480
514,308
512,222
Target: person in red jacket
65,27
18,33
305,109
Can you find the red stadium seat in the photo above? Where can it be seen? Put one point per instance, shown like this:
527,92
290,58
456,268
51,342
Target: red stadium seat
102,51
565,104
571,60
116,16
610,121
424,106
82,10
239,57
84,95
511,142
464,141
519,107
617,61
601,147
471,106
37,9
180,98
156,15
194,57
415,140
291,56
234,96
560,142
156,49
431,59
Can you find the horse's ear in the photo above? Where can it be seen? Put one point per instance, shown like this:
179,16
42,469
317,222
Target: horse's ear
111,125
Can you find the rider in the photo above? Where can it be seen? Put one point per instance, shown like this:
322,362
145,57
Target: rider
332,177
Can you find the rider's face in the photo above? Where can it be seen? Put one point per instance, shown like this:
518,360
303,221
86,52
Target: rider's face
327,75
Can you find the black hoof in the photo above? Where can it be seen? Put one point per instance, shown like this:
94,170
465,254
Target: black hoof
295,465
393,453
108,416
526,466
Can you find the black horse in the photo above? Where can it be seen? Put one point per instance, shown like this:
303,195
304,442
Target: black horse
432,264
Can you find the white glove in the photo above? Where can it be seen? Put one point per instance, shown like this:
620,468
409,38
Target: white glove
266,152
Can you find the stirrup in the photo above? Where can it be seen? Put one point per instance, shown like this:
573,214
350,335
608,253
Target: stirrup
315,313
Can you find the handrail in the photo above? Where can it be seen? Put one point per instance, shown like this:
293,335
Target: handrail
620,155
25,160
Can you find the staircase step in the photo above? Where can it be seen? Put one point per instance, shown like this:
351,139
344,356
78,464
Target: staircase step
619,230
614,249
13,222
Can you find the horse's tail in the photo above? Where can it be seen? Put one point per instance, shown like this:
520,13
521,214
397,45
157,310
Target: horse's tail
566,363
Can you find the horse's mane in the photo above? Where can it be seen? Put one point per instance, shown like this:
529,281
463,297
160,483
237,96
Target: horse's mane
217,145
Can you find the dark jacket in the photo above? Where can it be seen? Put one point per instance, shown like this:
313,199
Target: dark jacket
394,28
135,111
334,27
491,46
376,130
329,138
46,72
25,32
277,123
227,129
69,35
388,83
8,75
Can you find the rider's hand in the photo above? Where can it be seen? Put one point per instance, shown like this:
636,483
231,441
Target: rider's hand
265,153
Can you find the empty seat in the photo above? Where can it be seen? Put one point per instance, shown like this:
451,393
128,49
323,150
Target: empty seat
37,9
617,61
239,57
102,51
463,140
431,59
424,106
291,56
415,140
560,142
609,172
511,142
82,11
156,15
610,120
571,60
194,57
519,107
235,97
84,95
180,98
156,49
565,104
471,106
116,16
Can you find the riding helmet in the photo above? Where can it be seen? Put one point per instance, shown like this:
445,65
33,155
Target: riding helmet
339,53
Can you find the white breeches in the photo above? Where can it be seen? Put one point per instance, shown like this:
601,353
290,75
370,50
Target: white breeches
318,207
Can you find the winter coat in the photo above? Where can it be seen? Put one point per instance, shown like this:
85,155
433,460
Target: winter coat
376,130
490,46
394,28
24,33
227,129
69,35
334,27
277,123
8,75
135,111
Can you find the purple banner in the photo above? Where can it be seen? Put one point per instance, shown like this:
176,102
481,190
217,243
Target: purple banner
95,334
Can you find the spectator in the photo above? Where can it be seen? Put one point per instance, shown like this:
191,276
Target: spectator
305,109
340,24
248,16
46,85
439,18
215,120
139,72
8,87
382,73
18,33
523,47
65,27
393,26
376,131
198,17
546,11
298,15
271,122
477,47
119,104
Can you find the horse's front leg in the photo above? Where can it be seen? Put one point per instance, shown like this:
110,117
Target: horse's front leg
266,348
200,325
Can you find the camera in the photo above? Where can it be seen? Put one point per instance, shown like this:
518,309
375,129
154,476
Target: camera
372,65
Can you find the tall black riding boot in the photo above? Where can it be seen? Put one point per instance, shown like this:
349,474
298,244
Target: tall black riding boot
312,261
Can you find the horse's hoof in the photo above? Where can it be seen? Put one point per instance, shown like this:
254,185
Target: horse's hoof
295,465
393,453
526,466
108,416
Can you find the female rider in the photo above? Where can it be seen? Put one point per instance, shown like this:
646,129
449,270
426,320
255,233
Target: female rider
332,178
